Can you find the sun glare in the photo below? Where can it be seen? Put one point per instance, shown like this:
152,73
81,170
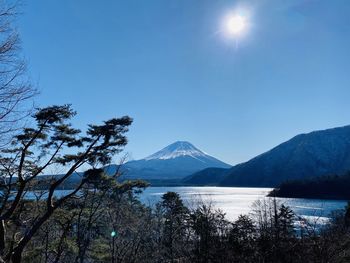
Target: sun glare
236,24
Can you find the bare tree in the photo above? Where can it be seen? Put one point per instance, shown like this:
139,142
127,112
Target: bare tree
15,88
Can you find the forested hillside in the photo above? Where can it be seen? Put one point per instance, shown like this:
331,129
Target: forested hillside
325,187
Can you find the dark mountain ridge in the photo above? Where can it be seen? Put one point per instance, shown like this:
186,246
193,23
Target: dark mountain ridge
308,155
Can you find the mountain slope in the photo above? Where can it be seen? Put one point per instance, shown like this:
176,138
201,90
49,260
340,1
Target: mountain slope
208,176
177,160
307,155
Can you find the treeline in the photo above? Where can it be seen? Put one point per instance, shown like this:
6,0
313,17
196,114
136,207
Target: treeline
110,224
325,187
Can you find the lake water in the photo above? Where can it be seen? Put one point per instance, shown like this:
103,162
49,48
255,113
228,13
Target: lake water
235,201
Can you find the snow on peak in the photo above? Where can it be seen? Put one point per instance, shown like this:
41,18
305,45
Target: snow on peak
177,149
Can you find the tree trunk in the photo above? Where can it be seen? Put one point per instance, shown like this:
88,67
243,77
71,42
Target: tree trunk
2,237
18,250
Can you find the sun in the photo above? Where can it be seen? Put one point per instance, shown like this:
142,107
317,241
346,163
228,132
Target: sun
235,25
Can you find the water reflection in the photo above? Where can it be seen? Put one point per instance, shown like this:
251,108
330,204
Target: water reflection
235,201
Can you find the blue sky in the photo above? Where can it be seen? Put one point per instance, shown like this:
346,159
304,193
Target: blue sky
167,65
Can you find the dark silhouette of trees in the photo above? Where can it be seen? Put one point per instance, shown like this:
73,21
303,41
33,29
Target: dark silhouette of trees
80,231
324,187
242,236
34,151
210,227
347,216
176,217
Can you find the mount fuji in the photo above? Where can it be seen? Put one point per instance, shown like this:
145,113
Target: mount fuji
175,161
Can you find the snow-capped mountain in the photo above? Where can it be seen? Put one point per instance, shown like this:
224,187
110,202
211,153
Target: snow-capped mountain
175,161
177,149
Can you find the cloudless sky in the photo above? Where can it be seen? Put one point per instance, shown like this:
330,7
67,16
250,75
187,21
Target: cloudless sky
168,65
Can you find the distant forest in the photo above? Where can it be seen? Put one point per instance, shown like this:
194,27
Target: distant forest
325,187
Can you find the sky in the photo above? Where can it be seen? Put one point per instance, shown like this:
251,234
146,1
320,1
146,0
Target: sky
170,66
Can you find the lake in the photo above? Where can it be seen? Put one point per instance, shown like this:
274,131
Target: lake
235,201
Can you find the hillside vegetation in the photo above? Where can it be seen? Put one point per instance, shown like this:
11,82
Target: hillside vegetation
325,187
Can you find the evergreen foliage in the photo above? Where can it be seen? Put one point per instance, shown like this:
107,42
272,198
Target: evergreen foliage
325,187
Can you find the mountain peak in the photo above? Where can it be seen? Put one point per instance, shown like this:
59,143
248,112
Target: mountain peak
175,161
184,145
177,149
